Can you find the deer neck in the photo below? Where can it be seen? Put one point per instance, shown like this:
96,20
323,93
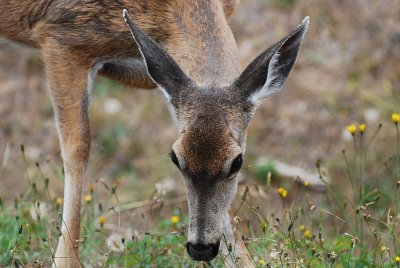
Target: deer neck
204,46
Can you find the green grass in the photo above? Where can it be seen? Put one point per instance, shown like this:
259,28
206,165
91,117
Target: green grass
355,224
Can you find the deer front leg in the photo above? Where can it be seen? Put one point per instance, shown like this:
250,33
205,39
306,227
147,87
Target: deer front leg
69,83
238,255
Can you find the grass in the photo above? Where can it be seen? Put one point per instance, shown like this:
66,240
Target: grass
355,225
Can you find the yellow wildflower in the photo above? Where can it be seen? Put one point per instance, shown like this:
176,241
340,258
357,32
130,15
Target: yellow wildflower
59,201
91,188
383,249
88,199
397,259
395,118
362,128
175,219
261,262
307,234
351,129
102,220
302,227
306,183
282,192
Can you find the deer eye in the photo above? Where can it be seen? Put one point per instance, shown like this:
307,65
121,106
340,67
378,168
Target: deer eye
236,164
174,159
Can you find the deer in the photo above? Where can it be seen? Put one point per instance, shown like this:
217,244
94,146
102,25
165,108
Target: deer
187,50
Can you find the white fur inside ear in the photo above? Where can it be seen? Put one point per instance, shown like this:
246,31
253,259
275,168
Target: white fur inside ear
171,108
271,85
163,90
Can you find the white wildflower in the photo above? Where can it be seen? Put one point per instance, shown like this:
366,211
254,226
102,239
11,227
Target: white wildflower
114,242
165,186
371,115
38,211
112,106
274,254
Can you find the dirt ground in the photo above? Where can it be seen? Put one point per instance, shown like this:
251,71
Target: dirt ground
347,71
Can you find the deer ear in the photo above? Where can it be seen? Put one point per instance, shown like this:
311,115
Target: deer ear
270,70
161,67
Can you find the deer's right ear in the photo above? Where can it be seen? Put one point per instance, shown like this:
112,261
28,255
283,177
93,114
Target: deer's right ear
270,70
160,65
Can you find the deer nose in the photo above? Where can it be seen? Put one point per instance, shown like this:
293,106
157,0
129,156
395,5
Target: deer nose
202,252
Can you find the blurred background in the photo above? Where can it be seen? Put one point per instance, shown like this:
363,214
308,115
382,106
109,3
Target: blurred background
347,72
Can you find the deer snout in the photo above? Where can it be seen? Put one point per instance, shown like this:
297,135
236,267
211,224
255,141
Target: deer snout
202,252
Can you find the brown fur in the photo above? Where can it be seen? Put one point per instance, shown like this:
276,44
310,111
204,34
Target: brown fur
211,132
93,29
212,111
187,50
74,36
205,147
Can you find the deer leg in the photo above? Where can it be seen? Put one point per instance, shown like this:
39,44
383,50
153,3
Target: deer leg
69,82
238,255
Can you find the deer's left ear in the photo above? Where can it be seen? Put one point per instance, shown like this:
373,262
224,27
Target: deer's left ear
161,67
270,70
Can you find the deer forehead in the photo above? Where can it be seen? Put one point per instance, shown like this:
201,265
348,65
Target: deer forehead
215,103
207,144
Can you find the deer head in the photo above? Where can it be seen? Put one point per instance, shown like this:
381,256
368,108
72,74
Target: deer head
212,123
